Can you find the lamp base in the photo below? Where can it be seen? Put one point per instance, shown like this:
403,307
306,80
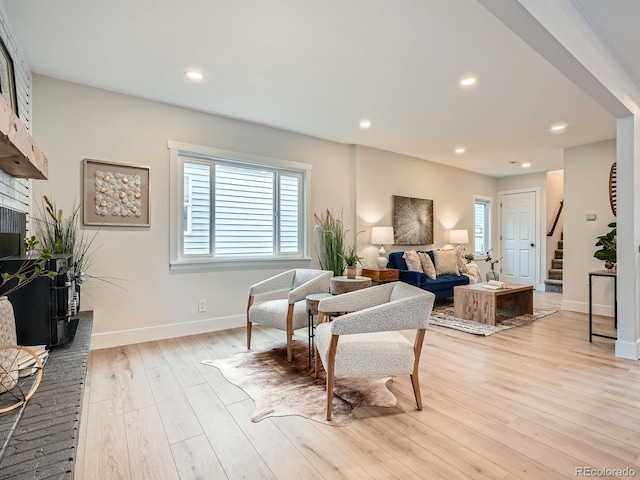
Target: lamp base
382,259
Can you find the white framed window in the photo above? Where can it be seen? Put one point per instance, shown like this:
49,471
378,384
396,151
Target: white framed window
235,207
481,224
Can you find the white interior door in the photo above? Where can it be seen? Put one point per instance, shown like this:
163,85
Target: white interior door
519,238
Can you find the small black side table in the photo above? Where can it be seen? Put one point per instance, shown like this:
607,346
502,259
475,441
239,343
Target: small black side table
603,273
312,308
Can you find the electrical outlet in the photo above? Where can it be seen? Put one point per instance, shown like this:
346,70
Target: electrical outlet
202,306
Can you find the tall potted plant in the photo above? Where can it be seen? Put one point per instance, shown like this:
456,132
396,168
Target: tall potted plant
332,234
62,234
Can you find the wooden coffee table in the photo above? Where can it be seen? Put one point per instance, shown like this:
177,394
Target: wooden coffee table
474,302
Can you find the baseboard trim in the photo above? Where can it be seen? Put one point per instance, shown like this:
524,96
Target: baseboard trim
583,307
630,350
160,332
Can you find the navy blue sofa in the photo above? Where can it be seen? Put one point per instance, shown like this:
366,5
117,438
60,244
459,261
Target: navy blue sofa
441,286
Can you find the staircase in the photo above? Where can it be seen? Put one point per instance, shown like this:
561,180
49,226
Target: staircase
554,281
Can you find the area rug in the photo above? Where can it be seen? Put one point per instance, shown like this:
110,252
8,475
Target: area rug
442,316
280,388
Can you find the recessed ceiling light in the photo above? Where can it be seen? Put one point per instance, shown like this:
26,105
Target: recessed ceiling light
194,75
526,165
558,127
468,81
364,124
459,150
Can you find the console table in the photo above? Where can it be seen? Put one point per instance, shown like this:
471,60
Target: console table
603,273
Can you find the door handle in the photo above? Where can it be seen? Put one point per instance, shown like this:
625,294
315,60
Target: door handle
532,245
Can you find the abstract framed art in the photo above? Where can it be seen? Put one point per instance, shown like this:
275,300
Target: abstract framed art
115,194
412,221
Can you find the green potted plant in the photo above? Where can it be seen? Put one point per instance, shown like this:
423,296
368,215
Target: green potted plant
351,258
608,250
332,233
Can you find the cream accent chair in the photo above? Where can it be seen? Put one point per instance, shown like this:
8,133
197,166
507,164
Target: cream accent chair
367,341
287,314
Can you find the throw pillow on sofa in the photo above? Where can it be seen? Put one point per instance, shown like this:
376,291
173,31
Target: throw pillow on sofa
462,264
427,265
446,262
413,260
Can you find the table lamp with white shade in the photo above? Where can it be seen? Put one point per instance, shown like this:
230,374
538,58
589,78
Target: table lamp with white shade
382,236
459,236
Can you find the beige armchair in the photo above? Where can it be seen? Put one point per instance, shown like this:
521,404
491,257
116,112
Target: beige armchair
367,341
285,314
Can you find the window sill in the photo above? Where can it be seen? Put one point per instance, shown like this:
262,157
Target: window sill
239,264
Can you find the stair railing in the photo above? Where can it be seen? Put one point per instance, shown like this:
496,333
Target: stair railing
555,222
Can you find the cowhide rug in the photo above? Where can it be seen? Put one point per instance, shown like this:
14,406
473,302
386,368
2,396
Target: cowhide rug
280,388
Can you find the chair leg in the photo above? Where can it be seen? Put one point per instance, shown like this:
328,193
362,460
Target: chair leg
330,381
290,334
329,369
416,389
249,324
417,349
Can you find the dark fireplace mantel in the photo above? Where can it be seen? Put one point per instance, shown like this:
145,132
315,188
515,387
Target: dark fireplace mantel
40,439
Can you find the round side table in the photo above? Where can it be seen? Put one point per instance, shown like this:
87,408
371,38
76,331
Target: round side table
344,285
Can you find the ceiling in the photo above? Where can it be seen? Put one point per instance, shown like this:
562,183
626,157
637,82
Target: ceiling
617,24
318,68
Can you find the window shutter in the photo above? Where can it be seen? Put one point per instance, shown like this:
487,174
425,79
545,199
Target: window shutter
244,219
197,242
289,214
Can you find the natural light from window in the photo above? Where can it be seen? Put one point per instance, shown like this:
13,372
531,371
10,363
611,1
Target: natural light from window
237,206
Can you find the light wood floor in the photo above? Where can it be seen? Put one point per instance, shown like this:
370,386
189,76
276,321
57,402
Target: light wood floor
537,401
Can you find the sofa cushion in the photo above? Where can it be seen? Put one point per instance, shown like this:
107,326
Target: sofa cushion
444,282
446,262
427,265
462,263
413,260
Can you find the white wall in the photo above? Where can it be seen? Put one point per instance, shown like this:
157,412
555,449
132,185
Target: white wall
586,188
73,122
381,174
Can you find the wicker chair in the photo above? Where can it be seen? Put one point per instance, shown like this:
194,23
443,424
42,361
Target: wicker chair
367,341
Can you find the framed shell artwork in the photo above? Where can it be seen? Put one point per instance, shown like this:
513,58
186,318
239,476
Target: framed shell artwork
115,194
